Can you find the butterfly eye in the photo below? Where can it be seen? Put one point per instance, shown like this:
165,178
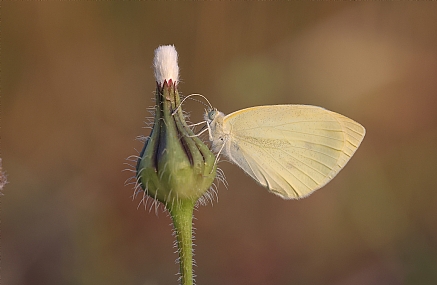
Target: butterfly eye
212,114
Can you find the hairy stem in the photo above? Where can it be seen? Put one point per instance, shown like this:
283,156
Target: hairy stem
182,215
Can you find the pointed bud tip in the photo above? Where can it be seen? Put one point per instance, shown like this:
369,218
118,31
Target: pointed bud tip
166,64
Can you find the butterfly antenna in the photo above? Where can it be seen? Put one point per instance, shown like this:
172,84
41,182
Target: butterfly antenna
191,95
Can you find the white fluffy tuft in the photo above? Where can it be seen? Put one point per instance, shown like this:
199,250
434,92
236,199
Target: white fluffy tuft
166,64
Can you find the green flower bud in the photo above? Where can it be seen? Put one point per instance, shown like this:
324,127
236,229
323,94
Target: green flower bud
174,165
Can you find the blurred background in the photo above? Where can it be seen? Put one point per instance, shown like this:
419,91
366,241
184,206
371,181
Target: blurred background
76,82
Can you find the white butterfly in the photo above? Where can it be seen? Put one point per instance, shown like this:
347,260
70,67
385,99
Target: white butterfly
292,150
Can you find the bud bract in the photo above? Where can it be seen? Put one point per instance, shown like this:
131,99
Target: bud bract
174,165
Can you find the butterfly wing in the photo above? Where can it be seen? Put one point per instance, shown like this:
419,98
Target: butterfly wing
292,150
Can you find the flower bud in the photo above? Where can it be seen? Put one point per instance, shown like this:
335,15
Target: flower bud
174,165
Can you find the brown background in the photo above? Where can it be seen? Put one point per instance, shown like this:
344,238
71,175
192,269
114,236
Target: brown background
76,82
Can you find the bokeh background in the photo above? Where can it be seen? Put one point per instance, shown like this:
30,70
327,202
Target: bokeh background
76,81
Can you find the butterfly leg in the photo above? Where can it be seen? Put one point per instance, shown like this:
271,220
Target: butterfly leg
201,132
218,153
196,124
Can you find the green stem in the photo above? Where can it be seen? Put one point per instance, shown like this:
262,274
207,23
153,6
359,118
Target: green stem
182,215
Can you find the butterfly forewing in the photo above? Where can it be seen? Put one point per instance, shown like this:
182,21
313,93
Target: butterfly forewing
293,150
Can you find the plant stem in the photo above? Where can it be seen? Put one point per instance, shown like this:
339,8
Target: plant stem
182,215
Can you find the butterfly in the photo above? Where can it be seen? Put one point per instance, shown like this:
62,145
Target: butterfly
292,150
